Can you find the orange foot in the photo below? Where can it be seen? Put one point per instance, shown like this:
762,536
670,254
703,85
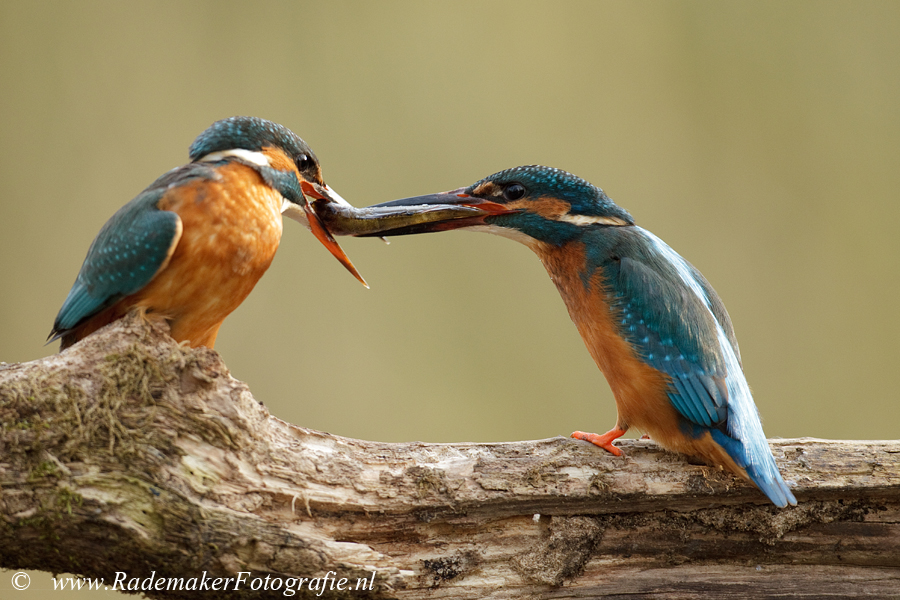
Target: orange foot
605,441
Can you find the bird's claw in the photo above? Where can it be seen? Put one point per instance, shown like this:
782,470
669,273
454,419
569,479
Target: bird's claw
604,441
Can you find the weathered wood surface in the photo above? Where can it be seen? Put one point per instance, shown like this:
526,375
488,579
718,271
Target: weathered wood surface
131,453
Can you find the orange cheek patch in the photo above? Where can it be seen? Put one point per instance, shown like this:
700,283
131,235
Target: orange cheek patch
545,206
279,160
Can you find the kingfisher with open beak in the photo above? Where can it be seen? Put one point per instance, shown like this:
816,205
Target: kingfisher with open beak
192,246
652,323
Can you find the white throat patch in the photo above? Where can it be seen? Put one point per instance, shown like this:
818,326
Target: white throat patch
588,220
257,158
295,212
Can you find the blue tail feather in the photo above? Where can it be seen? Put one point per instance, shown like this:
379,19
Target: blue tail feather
764,473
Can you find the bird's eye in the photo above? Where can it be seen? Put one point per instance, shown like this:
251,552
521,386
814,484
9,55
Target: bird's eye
303,162
514,191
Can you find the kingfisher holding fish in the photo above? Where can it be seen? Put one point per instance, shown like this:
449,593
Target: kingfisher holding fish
191,247
652,323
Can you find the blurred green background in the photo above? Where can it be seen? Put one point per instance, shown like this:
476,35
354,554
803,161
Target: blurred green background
760,140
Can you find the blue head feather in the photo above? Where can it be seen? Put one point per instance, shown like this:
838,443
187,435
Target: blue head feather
248,133
540,183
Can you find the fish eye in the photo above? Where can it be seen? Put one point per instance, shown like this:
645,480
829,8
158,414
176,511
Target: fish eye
514,191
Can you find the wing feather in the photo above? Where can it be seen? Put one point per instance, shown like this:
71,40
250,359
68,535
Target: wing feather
126,255
675,332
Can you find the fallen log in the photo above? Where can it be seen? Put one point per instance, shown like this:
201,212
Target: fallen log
132,458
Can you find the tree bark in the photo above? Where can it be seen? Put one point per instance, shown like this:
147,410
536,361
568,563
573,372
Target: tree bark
131,454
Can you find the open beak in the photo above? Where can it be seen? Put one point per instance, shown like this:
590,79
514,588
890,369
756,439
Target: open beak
308,217
443,211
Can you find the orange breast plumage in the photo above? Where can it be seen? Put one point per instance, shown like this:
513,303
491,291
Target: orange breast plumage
231,229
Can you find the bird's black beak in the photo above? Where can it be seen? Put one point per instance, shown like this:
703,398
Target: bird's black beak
420,214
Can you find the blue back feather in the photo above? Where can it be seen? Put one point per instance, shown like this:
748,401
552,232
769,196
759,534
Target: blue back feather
128,251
